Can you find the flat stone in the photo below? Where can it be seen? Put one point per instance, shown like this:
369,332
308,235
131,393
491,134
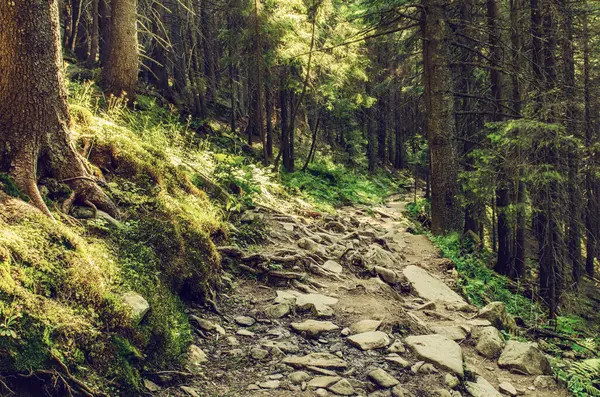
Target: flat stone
319,360
321,382
429,287
479,322
387,275
245,321
370,340
490,342
364,326
396,347
525,358
314,328
382,378
207,325
455,333
399,391
232,341
508,389
258,354
245,332
317,303
270,384
342,388
333,267
438,350
138,305
321,392
398,361
253,387
298,377
196,356
278,310
190,391
481,388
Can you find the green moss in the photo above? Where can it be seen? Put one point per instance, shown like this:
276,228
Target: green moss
8,186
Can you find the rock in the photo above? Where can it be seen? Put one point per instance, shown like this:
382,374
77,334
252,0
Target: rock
508,389
545,382
423,368
321,392
276,376
525,358
207,325
481,388
270,384
236,353
319,360
490,343
387,275
441,393
479,322
190,391
399,391
245,321
317,303
245,332
426,306
314,328
151,386
396,347
232,341
278,310
258,354
496,313
342,388
346,331
138,305
196,356
333,267
455,333
364,326
382,378
429,287
253,387
377,256
285,346
438,350
370,340
298,377
321,382
398,361
451,381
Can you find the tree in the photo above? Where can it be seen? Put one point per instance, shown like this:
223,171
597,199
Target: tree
441,128
34,115
120,72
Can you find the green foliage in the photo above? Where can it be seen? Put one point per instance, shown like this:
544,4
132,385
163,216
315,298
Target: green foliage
481,284
420,211
328,184
583,378
7,185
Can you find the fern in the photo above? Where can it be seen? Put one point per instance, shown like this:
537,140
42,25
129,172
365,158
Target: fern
583,378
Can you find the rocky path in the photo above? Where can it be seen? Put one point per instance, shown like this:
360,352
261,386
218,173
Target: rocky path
348,305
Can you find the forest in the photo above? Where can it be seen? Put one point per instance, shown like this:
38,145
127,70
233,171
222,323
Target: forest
299,197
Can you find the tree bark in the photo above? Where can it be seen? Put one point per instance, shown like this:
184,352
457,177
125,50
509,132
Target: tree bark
120,72
441,128
34,115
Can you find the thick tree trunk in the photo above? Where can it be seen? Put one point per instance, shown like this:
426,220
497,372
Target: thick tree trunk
34,115
120,72
441,128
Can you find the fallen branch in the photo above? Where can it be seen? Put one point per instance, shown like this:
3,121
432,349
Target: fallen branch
552,334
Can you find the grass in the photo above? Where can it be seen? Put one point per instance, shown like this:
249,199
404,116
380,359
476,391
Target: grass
329,185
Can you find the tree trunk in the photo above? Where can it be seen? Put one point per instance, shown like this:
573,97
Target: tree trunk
120,72
94,35
34,115
441,128
591,205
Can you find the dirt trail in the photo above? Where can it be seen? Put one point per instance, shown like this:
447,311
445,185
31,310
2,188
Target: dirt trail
256,348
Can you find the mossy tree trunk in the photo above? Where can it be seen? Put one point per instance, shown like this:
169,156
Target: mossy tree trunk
120,73
34,115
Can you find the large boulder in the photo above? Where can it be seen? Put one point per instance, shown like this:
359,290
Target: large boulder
439,351
490,343
524,358
496,314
